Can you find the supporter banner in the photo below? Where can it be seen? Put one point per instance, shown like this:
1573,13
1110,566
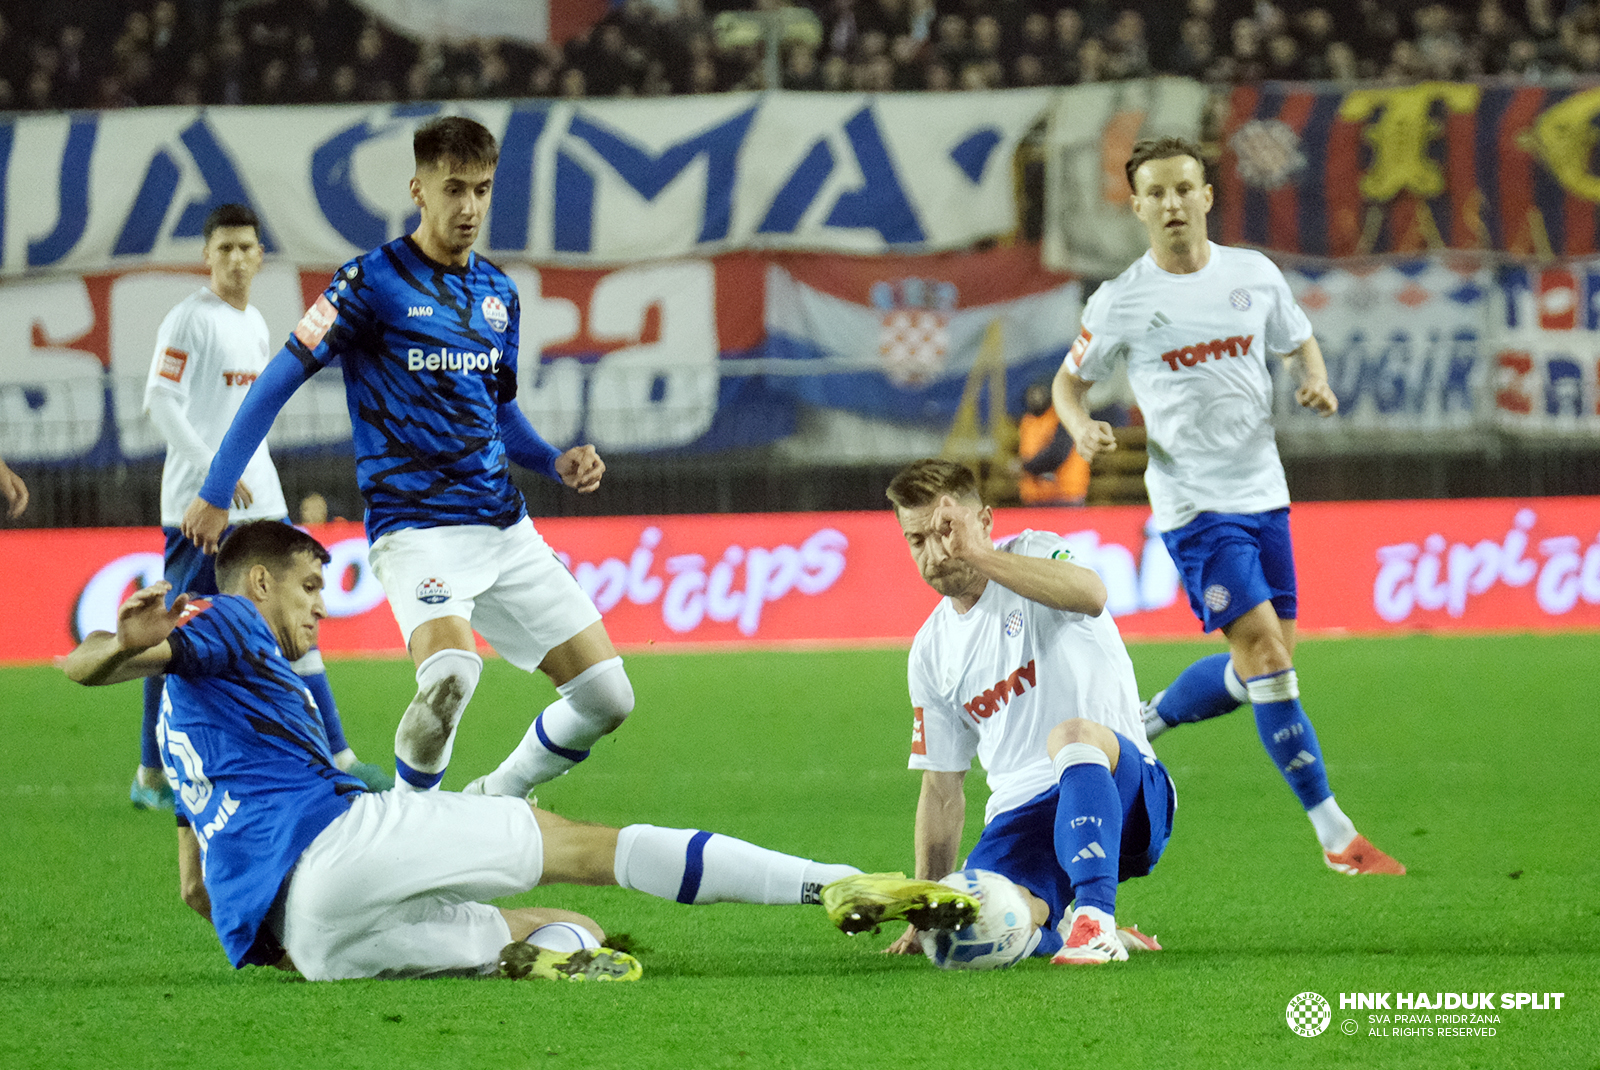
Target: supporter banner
1546,363
1408,346
900,337
530,21
653,357
1447,344
1326,170
596,181
1088,228
846,578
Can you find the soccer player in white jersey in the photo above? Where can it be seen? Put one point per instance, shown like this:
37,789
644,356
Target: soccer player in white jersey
1194,322
209,349
1021,666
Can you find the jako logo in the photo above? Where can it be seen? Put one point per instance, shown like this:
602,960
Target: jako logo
1215,349
989,703
419,310
451,360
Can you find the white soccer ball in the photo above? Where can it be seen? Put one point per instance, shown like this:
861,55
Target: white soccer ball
562,936
998,938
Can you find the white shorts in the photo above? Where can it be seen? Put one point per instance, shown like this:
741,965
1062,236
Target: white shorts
393,888
508,583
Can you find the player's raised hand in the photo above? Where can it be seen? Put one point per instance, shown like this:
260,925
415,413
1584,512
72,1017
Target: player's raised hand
1318,396
203,524
959,529
14,490
581,468
242,496
905,944
1097,438
144,619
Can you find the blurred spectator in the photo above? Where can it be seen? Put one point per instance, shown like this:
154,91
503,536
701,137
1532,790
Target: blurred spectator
1196,50
1249,58
1049,470
1061,66
800,69
313,510
1283,58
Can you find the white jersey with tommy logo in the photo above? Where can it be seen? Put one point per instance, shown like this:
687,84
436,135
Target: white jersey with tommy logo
994,680
207,355
1196,347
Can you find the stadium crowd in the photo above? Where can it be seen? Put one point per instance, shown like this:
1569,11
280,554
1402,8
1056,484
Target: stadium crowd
110,53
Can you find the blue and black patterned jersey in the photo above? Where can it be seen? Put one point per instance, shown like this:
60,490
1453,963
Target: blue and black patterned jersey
422,347
248,758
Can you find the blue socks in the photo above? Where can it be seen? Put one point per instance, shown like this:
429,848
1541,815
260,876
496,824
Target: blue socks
317,684
1208,688
1088,834
149,752
1287,734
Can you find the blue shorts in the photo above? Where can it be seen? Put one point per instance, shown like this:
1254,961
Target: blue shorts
187,568
1230,563
1020,844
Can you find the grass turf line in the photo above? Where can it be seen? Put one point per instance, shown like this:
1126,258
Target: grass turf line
1469,759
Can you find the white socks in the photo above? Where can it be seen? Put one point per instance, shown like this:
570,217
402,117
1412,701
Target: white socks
1334,831
593,703
1079,754
691,866
427,732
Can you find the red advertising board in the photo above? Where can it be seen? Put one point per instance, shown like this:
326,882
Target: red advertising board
845,578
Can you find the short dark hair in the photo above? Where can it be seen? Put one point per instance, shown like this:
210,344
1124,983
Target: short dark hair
923,482
232,215
1162,148
454,139
263,542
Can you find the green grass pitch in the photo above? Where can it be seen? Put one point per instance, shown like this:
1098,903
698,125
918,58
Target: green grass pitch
1473,760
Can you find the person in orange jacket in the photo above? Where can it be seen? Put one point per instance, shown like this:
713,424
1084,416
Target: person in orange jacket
1049,470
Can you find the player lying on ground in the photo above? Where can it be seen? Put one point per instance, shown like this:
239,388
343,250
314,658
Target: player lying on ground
1194,322
426,334
299,857
1020,665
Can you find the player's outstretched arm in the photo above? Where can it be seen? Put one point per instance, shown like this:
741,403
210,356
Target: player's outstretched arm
139,647
207,516
14,490
1092,437
941,816
1314,392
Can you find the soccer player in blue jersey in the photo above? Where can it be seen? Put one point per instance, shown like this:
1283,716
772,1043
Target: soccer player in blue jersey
207,351
426,333
298,857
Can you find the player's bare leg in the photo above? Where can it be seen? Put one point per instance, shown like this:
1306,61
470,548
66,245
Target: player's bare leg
596,697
